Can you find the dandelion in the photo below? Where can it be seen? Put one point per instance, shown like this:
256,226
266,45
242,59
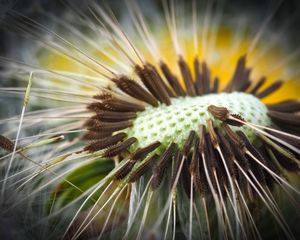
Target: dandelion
155,126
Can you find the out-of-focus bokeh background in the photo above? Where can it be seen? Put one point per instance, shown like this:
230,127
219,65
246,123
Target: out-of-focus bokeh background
287,12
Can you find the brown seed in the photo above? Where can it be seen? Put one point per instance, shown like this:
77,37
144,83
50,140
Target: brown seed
215,87
211,155
109,116
161,165
109,126
114,104
6,144
239,70
212,134
173,81
289,106
143,152
90,135
205,78
239,155
255,167
186,178
124,170
258,85
161,81
195,168
269,90
198,78
244,82
187,76
143,168
122,106
133,89
220,113
95,106
118,148
286,118
103,96
291,140
285,162
90,122
202,144
177,160
188,143
211,160
271,163
195,158
152,82
105,142
233,137
228,154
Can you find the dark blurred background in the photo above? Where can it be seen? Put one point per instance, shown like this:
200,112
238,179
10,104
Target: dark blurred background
281,13
287,12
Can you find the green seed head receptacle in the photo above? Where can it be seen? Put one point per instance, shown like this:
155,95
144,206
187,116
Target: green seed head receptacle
173,123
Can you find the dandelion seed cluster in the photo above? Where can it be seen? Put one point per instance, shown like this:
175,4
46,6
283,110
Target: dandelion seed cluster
151,144
174,122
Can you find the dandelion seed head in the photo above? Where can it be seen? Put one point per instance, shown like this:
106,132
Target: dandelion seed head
173,123
153,125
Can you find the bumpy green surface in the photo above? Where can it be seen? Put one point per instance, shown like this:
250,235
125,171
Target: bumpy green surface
174,122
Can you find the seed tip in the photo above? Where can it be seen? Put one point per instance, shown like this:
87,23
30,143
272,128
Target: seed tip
220,113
